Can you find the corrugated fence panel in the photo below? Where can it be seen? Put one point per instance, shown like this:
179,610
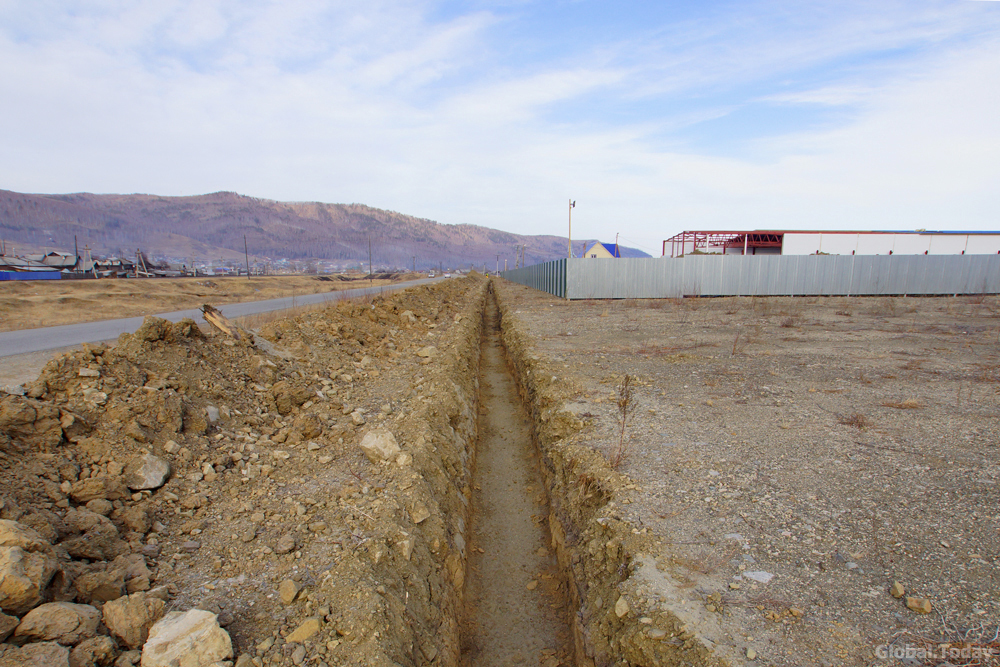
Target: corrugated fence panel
763,275
548,277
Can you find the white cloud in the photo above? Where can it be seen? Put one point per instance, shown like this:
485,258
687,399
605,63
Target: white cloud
378,103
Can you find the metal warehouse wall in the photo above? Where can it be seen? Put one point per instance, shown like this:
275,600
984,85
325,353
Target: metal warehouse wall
763,275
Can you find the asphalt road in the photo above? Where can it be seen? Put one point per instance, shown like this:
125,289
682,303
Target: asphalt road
50,338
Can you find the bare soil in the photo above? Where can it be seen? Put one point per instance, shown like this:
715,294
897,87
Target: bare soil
515,597
46,303
269,485
790,460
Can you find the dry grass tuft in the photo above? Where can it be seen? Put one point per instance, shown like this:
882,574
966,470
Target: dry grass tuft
745,336
857,420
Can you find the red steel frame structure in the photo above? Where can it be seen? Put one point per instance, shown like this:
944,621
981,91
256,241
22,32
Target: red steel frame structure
745,241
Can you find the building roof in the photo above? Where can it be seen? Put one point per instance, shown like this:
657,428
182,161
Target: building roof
611,248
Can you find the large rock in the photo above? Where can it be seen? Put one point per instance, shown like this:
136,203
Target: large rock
7,625
146,472
46,523
101,542
307,426
130,618
42,654
82,519
153,329
127,659
100,586
288,396
109,488
74,427
23,577
62,622
380,445
14,534
306,630
29,422
137,518
186,639
136,575
94,652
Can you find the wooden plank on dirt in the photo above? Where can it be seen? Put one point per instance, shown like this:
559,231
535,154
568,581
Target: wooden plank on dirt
219,321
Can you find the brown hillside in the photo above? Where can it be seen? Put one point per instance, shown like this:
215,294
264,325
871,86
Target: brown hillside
213,226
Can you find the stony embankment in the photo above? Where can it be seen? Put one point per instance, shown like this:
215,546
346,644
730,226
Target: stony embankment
298,497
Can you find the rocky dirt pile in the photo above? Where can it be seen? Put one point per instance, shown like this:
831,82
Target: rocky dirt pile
304,489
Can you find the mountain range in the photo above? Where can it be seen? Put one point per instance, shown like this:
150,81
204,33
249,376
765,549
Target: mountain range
213,227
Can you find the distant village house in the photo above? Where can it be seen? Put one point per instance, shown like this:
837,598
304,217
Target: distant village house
601,251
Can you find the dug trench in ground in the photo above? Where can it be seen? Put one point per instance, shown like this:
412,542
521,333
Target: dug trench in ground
620,594
515,598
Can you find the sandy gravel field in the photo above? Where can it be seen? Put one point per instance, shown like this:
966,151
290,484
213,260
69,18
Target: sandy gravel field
820,473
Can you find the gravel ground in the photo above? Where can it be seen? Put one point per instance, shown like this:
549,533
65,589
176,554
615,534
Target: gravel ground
797,458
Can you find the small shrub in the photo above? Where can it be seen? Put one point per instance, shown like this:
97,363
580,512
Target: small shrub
626,407
884,307
745,336
857,420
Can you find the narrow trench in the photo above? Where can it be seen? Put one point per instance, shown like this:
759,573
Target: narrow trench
515,601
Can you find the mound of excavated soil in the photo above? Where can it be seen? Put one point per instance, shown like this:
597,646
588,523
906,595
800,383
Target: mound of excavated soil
308,487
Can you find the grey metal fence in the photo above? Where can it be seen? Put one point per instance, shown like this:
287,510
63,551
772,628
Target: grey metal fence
549,276
771,275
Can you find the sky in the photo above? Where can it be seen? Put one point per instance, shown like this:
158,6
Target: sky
655,117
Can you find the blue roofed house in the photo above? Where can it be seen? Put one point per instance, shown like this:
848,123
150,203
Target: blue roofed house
601,251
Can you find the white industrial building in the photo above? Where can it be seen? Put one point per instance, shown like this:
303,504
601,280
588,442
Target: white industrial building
788,242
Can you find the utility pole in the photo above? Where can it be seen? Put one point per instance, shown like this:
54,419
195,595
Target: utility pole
370,279
246,254
498,264
414,263
504,263
569,237
616,244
